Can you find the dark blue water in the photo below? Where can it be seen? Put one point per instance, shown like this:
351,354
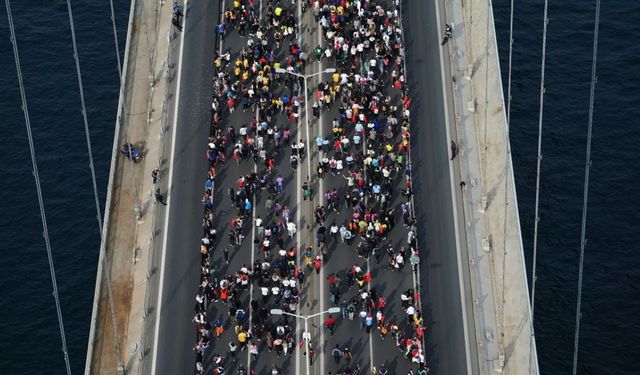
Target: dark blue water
610,334
30,341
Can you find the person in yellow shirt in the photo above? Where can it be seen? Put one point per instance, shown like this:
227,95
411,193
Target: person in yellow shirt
417,320
336,78
327,100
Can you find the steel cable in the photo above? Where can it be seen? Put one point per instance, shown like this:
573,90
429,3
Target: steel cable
93,175
537,204
45,231
587,167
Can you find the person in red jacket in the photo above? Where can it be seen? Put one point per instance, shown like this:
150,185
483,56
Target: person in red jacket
330,324
317,263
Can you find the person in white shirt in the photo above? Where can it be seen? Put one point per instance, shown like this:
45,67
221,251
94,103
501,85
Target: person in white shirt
291,229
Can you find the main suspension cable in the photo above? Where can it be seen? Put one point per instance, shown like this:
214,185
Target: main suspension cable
45,231
587,167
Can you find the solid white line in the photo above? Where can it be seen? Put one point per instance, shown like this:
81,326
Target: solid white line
453,201
320,197
169,195
299,228
253,252
372,362
364,174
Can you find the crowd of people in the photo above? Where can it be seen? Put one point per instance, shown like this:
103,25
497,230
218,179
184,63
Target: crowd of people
369,147
366,151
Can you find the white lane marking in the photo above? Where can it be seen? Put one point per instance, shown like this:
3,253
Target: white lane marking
364,151
154,357
320,197
253,252
453,201
298,220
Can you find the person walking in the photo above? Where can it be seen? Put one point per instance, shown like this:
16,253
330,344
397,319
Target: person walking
414,259
306,191
225,254
311,354
177,10
317,264
330,324
233,349
337,354
155,174
291,228
448,33
160,197
253,349
176,23
346,353
454,150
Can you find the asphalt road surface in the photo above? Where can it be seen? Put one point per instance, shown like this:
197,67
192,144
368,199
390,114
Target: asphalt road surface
434,207
181,264
440,285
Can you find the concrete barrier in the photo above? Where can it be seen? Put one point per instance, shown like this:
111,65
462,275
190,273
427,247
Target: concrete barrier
499,285
114,166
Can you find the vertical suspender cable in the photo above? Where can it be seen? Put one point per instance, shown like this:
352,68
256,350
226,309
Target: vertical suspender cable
84,116
115,37
93,179
509,73
587,167
537,218
45,231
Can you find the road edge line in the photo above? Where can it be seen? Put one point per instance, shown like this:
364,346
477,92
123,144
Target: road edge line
169,195
454,205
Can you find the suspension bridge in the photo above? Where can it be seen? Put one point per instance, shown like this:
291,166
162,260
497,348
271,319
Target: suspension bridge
475,202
